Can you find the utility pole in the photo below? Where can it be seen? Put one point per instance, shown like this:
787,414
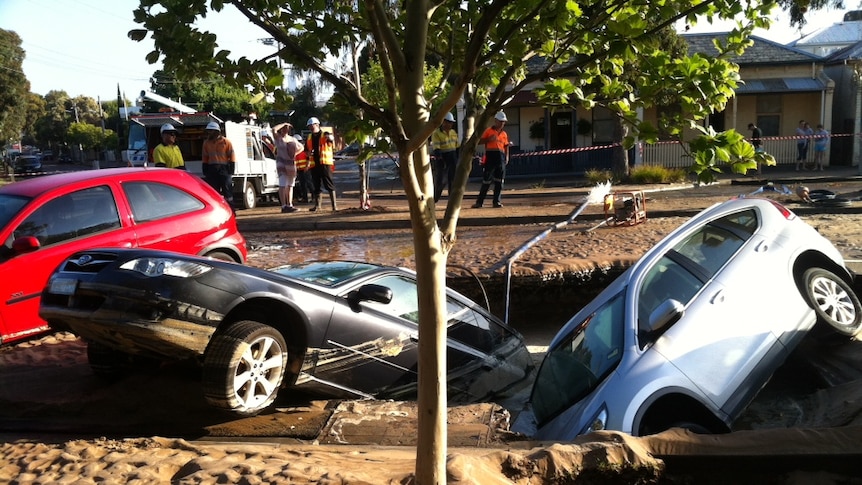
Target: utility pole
101,117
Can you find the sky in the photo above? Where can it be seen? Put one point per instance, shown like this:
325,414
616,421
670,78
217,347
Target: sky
82,47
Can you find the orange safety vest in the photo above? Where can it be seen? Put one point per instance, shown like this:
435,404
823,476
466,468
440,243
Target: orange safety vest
301,161
326,157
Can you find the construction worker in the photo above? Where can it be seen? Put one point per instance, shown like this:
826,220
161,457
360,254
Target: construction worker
303,178
219,161
321,162
496,142
167,153
444,143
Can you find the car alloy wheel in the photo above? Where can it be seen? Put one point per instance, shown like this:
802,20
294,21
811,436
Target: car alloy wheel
833,300
244,367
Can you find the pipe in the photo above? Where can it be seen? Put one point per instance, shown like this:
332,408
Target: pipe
597,194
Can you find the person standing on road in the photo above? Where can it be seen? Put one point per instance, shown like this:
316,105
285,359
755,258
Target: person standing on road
444,143
286,149
803,136
496,142
219,161
303,177
167,153
821,143
321,162
756,135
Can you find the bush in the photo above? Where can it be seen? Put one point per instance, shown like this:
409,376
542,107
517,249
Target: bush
596,176
655,174
644,174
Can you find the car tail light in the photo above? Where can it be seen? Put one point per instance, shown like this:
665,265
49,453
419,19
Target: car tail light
787,213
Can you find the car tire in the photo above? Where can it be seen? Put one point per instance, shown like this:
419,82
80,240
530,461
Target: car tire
249,196
244,368
221,256
695,428
833,300
834,202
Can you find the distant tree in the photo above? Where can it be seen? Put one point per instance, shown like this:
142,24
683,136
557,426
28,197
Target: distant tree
35,110
207,92
50,128
90,137
84,109
14,88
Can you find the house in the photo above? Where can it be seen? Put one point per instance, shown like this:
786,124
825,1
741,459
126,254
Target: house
781,85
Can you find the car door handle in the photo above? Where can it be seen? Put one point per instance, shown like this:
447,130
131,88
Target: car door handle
717,298
761,247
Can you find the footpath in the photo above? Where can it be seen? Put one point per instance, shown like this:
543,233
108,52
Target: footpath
539,200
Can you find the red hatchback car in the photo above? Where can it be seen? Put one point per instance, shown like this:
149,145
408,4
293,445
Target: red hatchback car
46,219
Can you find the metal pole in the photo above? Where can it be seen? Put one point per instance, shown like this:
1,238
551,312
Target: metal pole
597,194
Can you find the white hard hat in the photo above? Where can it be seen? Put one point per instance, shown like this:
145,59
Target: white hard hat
212,125
449,118
167,127
500,116
312,121
298,137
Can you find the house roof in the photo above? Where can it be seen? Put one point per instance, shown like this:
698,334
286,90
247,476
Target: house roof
852,52
837,33
781,85
761,52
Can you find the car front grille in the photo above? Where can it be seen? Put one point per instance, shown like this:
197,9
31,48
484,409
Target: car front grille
90,262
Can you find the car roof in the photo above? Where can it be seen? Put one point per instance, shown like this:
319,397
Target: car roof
33,187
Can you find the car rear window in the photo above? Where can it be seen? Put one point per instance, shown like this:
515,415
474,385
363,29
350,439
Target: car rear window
9,206
151,201
325,273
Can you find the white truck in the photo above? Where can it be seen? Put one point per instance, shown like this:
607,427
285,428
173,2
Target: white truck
255,177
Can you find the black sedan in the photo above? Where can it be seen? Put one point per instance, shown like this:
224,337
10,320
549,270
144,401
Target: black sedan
340,328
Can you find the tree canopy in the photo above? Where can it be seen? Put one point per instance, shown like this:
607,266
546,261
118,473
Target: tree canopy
571,53
14,87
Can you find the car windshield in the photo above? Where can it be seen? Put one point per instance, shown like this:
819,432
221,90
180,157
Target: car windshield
9,206
325,273
581,361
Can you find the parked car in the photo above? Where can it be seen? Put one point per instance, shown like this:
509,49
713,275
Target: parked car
337,328
28,164
45,219
689,334
348,151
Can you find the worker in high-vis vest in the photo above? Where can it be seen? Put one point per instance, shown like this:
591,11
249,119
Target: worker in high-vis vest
444,146
496,143
303,178
319,147
219,161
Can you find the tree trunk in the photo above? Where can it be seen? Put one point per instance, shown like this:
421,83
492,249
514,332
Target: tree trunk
364,195
431,279
620,155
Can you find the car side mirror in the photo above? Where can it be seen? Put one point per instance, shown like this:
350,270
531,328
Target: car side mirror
26,244
369,292
665,315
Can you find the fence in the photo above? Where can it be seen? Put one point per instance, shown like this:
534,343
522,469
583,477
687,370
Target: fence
577,161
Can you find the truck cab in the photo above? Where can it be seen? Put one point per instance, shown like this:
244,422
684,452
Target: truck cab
255,177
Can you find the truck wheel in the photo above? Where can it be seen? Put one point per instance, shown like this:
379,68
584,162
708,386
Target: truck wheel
249,196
